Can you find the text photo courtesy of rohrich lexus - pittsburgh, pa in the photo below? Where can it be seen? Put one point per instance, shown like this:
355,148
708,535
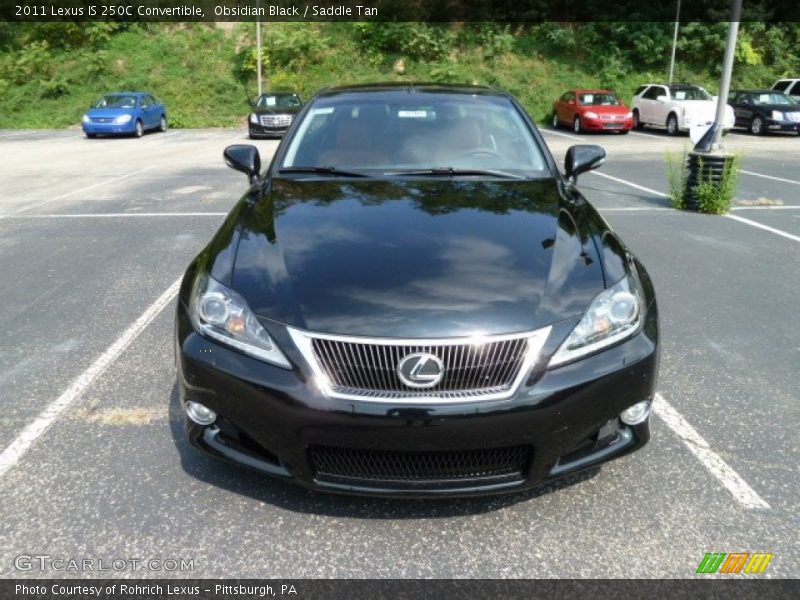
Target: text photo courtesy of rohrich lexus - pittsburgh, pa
399,299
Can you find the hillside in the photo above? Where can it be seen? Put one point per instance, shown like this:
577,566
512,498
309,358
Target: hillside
50,73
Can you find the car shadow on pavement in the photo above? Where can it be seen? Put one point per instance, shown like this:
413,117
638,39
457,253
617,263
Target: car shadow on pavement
240,480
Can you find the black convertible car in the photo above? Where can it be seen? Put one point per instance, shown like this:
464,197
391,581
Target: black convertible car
412,300
272,114
762,111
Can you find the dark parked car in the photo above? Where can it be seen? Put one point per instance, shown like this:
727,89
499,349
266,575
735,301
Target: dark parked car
413,300
592,110
762,111
273,114
130,113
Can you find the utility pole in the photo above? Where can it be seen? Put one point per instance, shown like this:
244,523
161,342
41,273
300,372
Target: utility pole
258,45
674,41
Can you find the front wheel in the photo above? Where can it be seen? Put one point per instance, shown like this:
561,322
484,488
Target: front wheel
555,122
637,124
576,125
91,136
139,129
672,125
624,131
162,124
757,126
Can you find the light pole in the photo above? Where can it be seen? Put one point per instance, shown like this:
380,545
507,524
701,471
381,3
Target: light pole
674,41
258,46
708,161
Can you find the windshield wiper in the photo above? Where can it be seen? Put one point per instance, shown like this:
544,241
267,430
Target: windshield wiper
323,171
451,172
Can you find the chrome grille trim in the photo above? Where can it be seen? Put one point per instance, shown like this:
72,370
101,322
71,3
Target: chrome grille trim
275,120
493,374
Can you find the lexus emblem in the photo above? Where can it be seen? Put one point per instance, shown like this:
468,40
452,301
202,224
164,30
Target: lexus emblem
420,370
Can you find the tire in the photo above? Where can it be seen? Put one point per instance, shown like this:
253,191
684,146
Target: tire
162,124
672,124
555,122
138,129
637,124
625,132
576,125
757,125
91,136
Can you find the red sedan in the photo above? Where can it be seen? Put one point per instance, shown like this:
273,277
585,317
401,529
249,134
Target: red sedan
592,110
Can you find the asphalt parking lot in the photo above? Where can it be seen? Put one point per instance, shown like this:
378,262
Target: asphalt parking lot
93,236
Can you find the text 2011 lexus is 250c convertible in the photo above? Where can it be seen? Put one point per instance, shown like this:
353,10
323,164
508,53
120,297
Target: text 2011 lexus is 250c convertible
413,300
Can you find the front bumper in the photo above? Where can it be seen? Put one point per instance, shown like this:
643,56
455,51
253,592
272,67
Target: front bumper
272,419
782,125
109,128
266,131
609,124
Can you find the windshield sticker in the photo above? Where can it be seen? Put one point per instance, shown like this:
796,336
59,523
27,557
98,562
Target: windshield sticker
412,114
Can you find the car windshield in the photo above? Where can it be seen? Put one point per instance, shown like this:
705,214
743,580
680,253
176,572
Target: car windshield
278,101
773,98
693,93
396,131
598,99
116,101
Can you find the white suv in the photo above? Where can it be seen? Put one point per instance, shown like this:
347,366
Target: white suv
788,86
676,107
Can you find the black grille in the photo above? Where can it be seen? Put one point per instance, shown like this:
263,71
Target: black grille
488,465
364,366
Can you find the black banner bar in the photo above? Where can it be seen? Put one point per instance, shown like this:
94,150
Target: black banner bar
733,588
533,11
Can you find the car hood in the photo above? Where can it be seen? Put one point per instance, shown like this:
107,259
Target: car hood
99,113
277,110
607,110
432,258
784,108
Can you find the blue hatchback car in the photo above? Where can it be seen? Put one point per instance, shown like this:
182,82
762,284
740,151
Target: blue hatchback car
129,113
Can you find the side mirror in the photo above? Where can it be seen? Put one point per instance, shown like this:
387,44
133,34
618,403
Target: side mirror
244,158
661,98
582,158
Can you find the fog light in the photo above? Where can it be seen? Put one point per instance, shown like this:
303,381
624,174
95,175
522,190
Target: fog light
201,414
636,413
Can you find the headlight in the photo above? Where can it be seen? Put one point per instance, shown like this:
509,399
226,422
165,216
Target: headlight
254,118
590,115
222,314
629,115
85,118
777,115
122,119
614,314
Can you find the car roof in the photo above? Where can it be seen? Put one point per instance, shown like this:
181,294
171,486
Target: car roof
412,87
127,94
758,91
593,91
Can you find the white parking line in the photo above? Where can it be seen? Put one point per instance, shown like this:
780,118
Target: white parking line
768,207
713,462
631,184
562,134
650,135
117,215
85,189
779,232
729,216
636,209
792,181
28,436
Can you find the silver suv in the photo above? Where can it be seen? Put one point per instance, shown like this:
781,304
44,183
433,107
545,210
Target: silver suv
788,86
